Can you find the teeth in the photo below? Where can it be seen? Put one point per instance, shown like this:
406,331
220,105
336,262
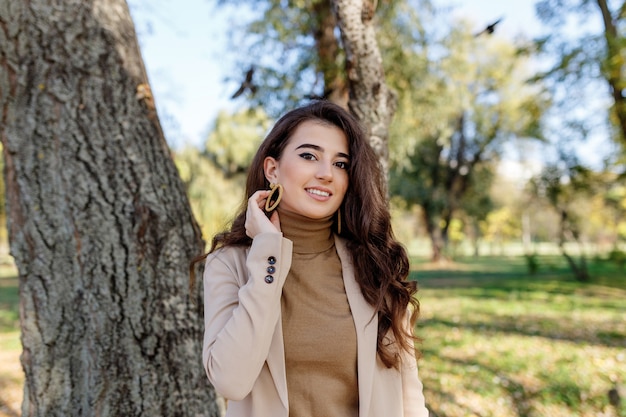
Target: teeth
318,192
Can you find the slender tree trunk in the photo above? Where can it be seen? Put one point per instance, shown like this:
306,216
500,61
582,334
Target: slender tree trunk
614,66
526,233
475,228
370,97
434,232
580,270
328,51
99,224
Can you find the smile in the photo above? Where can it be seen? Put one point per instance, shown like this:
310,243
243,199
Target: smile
318,192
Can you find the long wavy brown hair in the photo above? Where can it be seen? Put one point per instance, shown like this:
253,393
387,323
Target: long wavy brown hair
381,263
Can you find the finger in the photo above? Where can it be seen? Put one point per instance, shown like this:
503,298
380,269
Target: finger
259,197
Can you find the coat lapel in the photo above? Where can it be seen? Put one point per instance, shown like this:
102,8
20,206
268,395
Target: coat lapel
366,324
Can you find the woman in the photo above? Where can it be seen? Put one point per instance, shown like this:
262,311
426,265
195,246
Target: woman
307,307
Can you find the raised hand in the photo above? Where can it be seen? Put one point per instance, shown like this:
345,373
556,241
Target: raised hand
256,219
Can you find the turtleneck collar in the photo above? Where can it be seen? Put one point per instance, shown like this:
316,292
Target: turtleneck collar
308,235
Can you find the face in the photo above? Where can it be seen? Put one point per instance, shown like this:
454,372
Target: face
313,170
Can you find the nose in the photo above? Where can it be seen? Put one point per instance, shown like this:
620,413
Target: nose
325,171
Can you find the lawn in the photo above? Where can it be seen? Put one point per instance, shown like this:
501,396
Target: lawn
497,342
11,375
500,342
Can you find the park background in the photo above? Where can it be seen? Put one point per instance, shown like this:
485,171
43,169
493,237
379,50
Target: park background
520,258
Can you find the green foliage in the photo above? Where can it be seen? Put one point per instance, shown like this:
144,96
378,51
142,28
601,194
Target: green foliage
618,257
213,197
297,54
215,178
586,48
587,202
610,211
501,225
467,100
280,43
234,139
478,202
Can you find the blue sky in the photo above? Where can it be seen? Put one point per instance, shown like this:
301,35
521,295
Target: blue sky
183,46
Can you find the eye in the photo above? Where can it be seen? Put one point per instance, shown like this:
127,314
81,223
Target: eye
308,156
342,164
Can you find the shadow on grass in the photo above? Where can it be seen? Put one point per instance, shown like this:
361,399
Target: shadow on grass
519,396
560,295
538,326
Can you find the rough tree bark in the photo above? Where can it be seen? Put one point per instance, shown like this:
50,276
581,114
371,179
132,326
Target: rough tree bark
370,97
99,224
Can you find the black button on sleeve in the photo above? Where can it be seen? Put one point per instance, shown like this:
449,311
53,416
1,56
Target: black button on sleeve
271,260
271,269
269,279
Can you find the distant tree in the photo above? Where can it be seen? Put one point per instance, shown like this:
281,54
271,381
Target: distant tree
99,224
564,184
472,101
478,204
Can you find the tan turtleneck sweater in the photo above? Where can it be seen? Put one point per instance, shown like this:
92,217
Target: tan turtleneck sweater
318,329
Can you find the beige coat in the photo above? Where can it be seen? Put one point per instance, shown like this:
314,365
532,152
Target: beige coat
243,342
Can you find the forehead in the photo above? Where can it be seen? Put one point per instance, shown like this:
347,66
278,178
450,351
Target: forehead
325,135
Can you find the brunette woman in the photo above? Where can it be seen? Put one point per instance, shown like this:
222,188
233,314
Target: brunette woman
308,311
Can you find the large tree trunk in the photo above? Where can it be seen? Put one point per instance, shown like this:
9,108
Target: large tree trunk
370,97
99,224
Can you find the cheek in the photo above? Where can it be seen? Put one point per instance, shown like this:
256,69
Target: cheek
344,184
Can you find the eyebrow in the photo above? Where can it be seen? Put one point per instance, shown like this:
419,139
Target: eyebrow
320,149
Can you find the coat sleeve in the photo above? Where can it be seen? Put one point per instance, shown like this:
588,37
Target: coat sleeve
241,312
414,403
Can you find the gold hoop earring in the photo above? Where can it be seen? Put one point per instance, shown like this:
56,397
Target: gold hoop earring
269,206
338,222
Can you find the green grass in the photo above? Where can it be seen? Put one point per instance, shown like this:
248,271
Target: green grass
11,375
9,304
500,342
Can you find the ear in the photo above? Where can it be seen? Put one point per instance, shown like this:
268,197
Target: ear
270,169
